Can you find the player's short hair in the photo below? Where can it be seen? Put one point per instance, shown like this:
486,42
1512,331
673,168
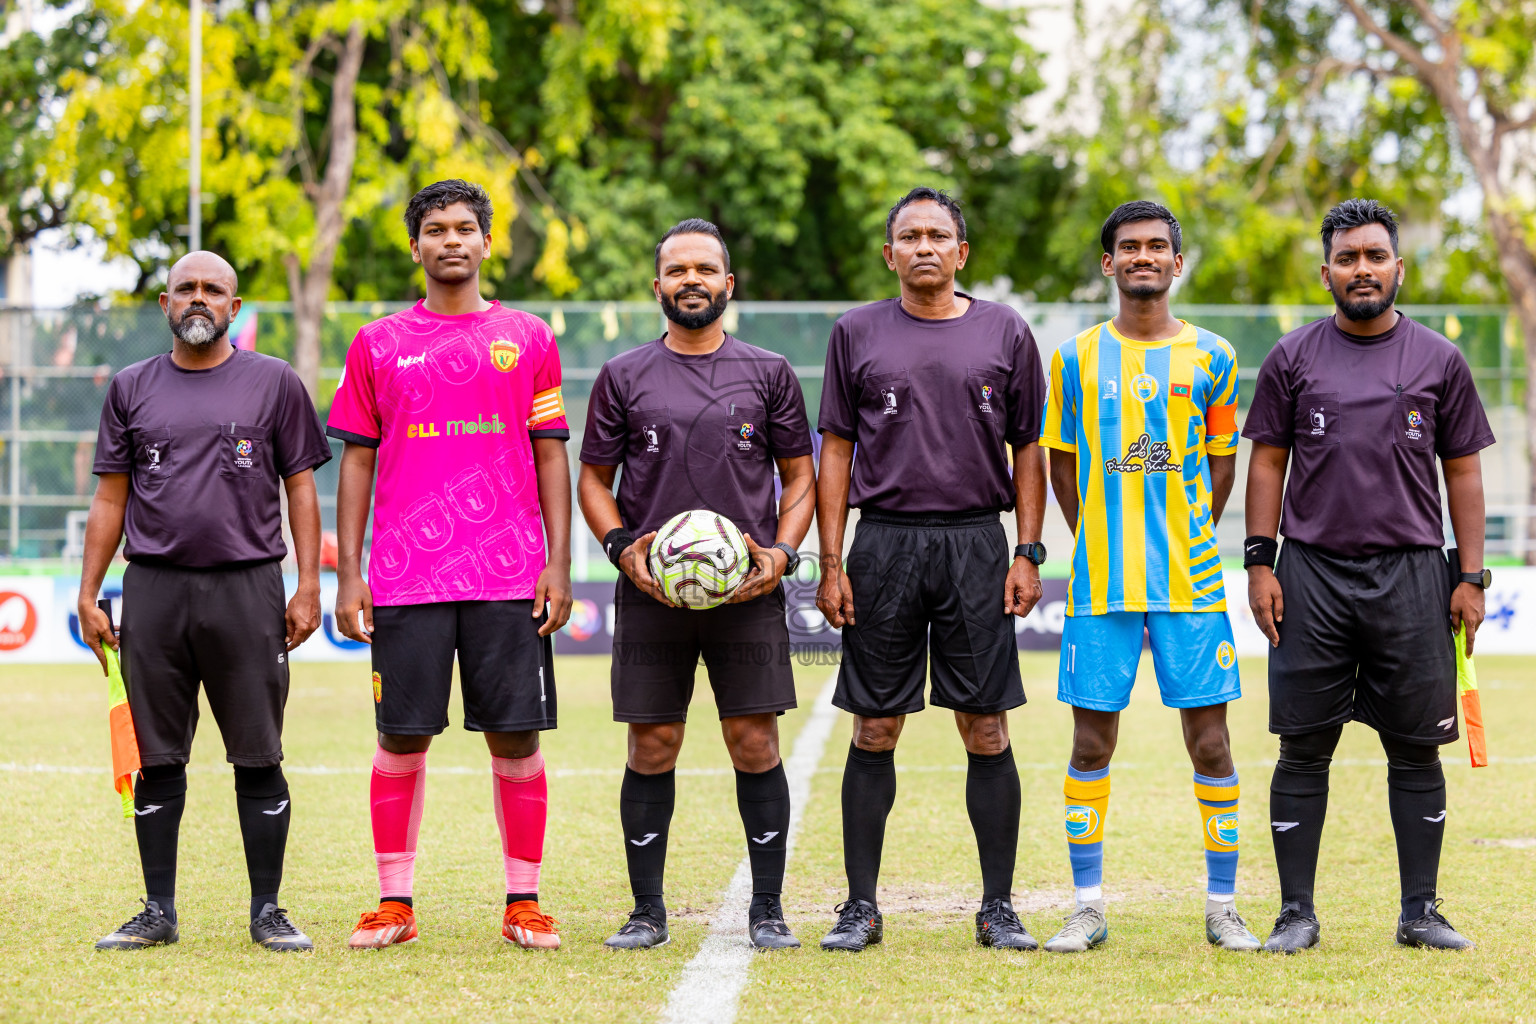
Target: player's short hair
1140,209
924,194
694,226
442,194
1357,213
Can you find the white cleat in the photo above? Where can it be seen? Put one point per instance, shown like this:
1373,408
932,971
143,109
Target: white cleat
1224,928
1085,928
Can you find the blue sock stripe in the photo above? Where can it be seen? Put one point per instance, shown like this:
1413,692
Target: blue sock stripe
1102,773
1206,780
1087,864
1221,871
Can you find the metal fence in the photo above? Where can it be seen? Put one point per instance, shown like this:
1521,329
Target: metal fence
56,365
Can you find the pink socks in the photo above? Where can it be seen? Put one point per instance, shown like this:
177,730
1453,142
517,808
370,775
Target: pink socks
522,805
396,797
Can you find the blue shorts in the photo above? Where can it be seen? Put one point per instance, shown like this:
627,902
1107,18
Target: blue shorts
1192,652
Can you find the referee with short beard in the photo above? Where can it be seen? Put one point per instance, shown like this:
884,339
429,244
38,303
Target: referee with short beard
193,448
1361,607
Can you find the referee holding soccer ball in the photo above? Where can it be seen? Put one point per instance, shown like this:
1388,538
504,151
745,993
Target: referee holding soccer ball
699,419
1360,606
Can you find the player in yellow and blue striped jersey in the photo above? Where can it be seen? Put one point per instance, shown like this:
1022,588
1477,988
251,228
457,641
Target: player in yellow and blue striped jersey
1141,424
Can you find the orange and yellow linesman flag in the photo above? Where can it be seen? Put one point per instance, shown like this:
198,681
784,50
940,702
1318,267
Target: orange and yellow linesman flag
125,744
1471,702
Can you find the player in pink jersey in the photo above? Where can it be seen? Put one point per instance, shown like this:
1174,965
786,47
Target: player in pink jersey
457,403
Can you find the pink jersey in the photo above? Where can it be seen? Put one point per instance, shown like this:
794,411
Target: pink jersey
452,403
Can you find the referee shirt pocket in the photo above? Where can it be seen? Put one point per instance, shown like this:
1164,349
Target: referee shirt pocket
1413,425
1318,419
650,435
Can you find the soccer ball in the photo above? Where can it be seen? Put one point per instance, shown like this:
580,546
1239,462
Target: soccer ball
699,559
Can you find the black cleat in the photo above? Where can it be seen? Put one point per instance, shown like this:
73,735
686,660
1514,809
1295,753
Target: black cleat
274,931
999,927
1295,930
768,930
1432,930
147,928
859,924
645,929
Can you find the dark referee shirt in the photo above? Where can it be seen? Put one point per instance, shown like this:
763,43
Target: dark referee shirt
1365,419
206,451
697,432
932,404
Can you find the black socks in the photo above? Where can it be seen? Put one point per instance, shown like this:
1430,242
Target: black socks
261,797
763,799
158,800
1298,804
1416,796
992,797
645,812
869,791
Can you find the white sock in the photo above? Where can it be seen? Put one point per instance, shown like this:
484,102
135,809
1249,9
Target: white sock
1221,897
1089,894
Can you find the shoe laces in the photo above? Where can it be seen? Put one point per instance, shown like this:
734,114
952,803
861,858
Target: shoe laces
1289,916
1081,913
851,914
526,914
276,921
643,916
1432,913
999,912
142,922
389,913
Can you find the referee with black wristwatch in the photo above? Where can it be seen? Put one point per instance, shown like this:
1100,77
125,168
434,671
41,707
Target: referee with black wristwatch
1360,605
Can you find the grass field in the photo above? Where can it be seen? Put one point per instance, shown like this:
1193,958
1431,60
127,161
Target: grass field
68,873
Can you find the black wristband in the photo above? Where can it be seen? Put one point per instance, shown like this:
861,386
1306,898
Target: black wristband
616,543
1260,551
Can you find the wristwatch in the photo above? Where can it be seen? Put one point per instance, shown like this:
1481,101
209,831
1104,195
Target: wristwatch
794,558
1035,552
1482,579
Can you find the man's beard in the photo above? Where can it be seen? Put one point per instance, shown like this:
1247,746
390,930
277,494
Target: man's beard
1145,289
694,321
1364,308
198,331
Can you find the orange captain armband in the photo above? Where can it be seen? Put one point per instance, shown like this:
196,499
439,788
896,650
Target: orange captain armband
1221,419
547,405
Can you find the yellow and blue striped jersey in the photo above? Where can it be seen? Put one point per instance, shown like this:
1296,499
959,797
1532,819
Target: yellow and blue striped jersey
1142,417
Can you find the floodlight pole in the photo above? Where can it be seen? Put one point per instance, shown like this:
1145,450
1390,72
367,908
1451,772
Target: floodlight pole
195,160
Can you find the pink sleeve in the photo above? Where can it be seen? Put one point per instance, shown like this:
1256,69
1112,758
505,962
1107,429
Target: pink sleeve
547,418
354,411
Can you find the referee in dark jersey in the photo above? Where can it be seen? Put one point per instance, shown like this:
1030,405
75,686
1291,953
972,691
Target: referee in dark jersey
1361,606
699,420
933,388
193,448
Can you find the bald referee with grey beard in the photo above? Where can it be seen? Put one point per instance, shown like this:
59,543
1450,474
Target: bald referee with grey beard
192,448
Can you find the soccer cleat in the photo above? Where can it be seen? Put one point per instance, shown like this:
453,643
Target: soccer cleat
859,924
999,927
1225,928
147,928
769,931
645,929
1086,927
393,924
273,930
523,923
1432,931
1295,930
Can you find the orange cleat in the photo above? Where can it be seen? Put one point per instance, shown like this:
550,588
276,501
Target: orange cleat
392,924
524,924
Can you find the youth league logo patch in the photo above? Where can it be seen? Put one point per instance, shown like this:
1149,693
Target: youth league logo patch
1222,828
504,354
243,449
1081,821
745,433
1415,431
1144,387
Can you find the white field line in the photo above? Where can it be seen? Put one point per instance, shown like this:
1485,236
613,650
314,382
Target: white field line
572,773
711,983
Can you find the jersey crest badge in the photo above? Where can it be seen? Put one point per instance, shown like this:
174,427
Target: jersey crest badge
504,354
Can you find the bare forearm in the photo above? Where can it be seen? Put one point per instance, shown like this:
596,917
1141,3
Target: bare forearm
1223,474
594,490
1029,491
797,502
1266,487
554,481
304,524
832,496
353,493
103,531
1464,496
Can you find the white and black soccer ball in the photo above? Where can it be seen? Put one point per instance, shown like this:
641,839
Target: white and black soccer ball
699,558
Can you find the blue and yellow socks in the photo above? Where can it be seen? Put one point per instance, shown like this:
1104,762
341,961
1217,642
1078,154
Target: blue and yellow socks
1218,816
1087,795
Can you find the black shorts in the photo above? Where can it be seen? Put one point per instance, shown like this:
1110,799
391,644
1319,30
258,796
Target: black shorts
506,670
656,651
921,582
222,628
1365,639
